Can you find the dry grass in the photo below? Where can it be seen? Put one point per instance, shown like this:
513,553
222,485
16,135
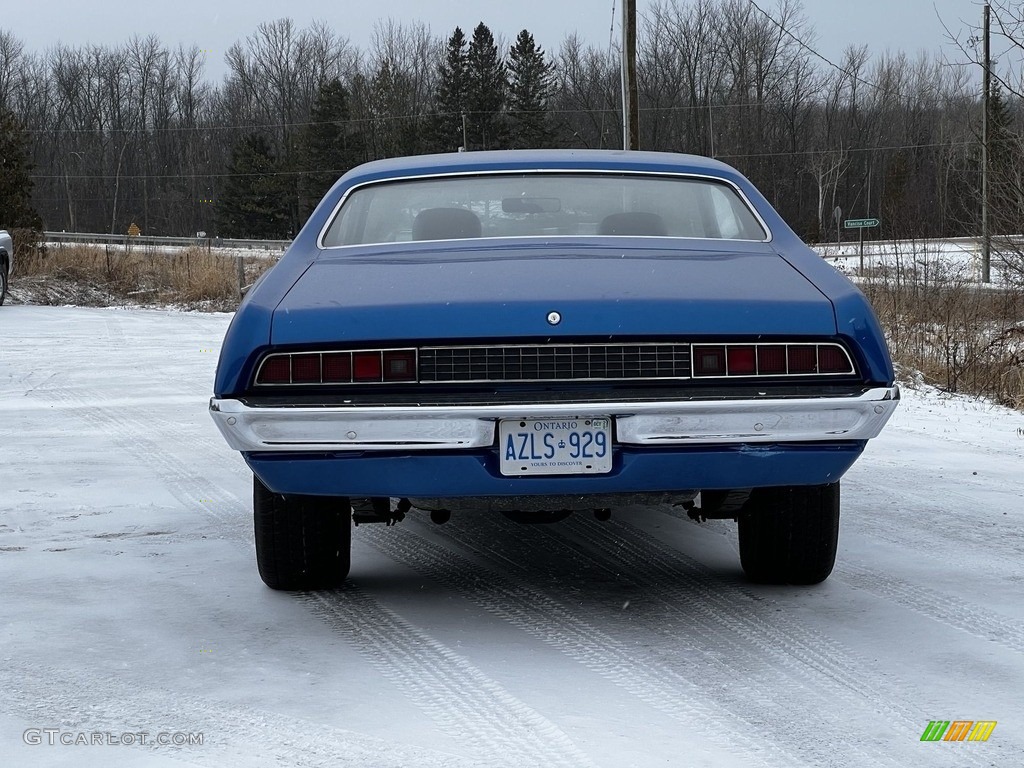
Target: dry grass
89,275
956,334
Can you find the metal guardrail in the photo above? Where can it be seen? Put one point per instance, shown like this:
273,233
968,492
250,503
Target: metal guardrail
281,245
1012,242
180,242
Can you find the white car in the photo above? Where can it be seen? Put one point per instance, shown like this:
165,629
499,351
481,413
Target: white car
6,262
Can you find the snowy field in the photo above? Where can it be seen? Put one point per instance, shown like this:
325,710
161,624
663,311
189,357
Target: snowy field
957,259
132,612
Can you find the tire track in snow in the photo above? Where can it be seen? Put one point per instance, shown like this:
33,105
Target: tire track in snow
942,608
84,701
115,330
468,692
927,525
502,730
582,640
811,677
824,672
191,488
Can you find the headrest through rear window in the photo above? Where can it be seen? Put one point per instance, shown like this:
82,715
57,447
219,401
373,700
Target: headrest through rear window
445,224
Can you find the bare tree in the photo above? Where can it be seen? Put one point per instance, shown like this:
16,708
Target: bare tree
586,99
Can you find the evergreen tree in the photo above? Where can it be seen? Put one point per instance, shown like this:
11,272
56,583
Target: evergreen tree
450,103
486,92
330,145
16,210
253,203
1005,161
531,85
394,126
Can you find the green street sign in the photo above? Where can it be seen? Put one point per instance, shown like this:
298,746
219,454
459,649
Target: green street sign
860,223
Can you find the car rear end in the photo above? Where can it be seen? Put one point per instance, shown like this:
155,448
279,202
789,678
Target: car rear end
522,352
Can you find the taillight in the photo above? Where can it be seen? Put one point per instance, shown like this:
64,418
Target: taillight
709,360
366,366
802,359
742,361
339,367
771,360
306,369
399,365
798,359
276,370
832,360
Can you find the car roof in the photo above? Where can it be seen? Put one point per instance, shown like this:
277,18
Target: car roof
535,159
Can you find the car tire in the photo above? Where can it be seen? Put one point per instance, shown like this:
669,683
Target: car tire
790,535
302,542
3,280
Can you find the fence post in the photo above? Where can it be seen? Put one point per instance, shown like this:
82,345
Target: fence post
241,274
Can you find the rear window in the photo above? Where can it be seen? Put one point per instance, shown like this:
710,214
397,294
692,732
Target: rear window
542,205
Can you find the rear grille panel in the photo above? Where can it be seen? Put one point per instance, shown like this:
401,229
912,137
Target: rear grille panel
532,364
568,362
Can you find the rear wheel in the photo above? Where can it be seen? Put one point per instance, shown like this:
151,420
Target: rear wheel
302,542
3,280
790,535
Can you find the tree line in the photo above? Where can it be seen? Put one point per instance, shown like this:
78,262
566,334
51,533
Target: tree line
97,137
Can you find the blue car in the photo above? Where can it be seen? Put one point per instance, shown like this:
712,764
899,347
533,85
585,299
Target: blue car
536,333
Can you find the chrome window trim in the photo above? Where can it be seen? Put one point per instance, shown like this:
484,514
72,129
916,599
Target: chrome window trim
549,171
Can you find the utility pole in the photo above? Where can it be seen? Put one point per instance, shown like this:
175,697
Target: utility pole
986,235
630,115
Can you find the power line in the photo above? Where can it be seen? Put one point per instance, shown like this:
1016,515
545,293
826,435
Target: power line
852,150
611,29
339,172
782,28
381,118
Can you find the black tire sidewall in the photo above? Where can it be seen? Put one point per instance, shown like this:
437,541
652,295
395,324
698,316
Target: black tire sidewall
790,535
302,542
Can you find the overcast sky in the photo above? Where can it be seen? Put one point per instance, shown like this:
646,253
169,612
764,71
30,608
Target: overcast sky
213,25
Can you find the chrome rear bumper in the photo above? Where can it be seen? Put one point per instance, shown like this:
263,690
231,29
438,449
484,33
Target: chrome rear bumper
659,423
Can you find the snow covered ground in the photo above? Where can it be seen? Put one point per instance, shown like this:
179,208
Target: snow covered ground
957,259
131,611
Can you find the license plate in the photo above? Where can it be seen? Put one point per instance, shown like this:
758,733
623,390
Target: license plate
555,446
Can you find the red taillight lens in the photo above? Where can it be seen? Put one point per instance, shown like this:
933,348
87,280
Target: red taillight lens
771,360
399,366
276,370
708,361
742,361
366,366
833,360
337,368
803,359
306,369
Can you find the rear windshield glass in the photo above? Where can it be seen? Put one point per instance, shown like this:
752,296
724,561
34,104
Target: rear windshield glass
542,205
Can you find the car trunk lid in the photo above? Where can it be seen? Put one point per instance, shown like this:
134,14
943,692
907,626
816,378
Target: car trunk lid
445,293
